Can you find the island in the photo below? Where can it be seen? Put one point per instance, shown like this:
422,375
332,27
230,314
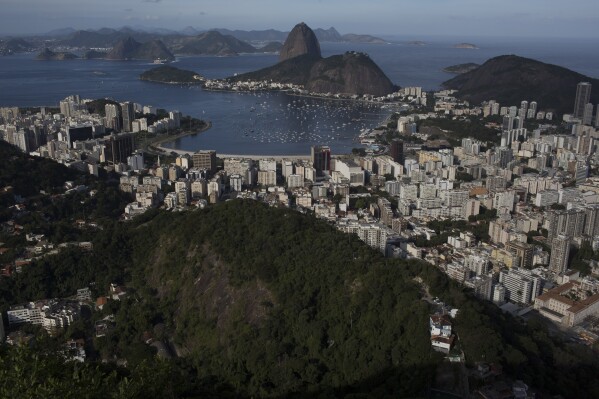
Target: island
466,46
417,43
171,75
461,68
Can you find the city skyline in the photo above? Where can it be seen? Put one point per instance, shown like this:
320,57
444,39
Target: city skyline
382,17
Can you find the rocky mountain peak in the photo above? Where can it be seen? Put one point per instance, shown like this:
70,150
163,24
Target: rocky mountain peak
300,41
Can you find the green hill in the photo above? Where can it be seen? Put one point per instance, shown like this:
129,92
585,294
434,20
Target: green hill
509,79
461,68
271,303
257,302
129,49
210,43
349,73
49,55
247,287
169,74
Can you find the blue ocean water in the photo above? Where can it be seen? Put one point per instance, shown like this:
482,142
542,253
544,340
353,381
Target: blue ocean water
272,123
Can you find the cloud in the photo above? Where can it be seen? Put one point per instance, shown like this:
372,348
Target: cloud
151,1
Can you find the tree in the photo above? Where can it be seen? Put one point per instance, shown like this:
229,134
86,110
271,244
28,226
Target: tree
359,152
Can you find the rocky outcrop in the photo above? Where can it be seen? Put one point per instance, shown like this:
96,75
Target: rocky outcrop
152,50
94,55
49,55
301,41
130,49
510,79
350,73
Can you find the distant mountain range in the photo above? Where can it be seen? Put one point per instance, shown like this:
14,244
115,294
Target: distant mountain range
211,43
129,49
127,43
108,37
323,35
510,79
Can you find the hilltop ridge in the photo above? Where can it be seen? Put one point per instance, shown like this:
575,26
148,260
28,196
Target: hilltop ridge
510,79
129,48
301,41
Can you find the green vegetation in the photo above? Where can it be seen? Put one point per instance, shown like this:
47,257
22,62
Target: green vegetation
33,372
49,55
264,302
580,257
28,175
454,130
361,152
509,78
461,68
99,106
169,74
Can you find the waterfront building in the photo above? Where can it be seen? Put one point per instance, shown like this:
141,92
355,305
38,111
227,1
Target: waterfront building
321,159
205,160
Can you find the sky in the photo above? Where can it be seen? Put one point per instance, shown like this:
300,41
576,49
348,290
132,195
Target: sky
409,18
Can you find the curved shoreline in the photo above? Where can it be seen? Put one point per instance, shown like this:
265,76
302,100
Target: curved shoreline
251,156
313,96
165,150
198,83
157,141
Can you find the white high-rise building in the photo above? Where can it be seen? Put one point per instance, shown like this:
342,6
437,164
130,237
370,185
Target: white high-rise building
521,286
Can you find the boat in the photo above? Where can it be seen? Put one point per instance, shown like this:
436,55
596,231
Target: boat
161,61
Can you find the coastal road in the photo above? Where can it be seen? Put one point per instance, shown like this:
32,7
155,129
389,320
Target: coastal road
251,156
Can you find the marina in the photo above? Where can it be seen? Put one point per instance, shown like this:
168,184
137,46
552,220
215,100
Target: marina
290,124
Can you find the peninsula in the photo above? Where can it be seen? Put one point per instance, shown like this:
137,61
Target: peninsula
171,75
49,55
301,63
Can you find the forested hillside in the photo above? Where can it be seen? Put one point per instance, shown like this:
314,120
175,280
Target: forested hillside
253,301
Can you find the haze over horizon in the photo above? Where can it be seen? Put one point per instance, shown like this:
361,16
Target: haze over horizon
534,18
